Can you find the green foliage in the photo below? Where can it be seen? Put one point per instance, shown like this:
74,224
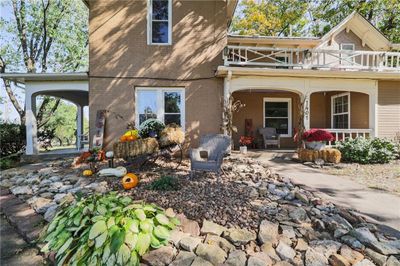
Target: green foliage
107,230
151,128
63,122
12,138
9,161
316,17
164,183
368,151
270,17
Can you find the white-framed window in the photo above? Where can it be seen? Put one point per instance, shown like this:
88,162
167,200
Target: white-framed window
159,20
340,110
164,104
278,114
347,58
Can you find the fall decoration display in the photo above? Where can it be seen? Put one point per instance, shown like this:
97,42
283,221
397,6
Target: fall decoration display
87,173
130,135
129,181
328,155
171,134
107,230
151,128
135,148
246,140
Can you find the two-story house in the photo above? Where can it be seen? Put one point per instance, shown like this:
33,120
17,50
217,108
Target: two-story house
175,61
146,56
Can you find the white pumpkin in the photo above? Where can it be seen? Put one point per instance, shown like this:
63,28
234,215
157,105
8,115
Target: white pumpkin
120,171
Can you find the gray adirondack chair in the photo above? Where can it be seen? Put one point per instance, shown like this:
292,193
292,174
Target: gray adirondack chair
270,136
215,146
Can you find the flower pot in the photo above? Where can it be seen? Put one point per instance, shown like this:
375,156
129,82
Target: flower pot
243,149
315,145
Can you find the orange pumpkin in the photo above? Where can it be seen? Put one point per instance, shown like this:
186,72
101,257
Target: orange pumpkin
129,181
130,138
123,138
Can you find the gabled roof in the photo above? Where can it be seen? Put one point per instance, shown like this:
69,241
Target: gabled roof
364,29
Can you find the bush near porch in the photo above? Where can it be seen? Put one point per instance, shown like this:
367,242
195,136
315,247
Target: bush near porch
368,151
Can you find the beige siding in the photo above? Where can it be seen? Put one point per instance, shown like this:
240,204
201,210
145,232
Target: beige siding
388,109
118,47
254,110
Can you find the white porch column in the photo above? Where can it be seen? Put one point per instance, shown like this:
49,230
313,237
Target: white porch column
373,110
306,107
30,123
79,126
227,94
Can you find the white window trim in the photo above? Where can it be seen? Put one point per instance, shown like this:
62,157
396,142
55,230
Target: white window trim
333,97
150,24
289,101
347,43
160,102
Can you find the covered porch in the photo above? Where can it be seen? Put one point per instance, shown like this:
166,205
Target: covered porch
344,107
72,87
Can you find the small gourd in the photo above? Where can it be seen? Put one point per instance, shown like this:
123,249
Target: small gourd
129,181
87,173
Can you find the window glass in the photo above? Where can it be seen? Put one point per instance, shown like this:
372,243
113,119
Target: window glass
277,115
340,115
166,105
147,105
159,21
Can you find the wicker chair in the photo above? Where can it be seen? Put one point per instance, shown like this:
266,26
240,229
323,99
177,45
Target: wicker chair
270,136
214,146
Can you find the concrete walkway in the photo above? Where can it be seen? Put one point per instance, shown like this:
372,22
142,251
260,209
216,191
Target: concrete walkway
378,206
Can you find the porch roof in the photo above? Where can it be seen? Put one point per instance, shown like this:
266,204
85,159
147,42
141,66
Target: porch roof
23,77
222,71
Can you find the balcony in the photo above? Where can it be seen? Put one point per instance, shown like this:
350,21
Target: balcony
318,59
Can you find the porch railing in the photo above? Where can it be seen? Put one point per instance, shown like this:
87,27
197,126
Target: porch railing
300,58
342,134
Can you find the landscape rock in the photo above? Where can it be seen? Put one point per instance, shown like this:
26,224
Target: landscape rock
40,205
392,261
59,197
301,245
236,258
326,247
239,236
351,255
285,252
352,242
301,196
190,226
219,241
21,190
189,243
268,232
377,258
363,235
159,257
338,260
184,258
50,213
211,228
315,258
176,236
298,214
288,231
259,259
267,248
364,262
211,253
198,261
384,248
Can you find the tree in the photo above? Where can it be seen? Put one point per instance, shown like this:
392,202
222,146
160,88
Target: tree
384,14
43,35
270,17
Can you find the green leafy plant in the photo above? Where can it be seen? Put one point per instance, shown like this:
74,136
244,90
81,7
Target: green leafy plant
107,230
151,128
368,151
164,183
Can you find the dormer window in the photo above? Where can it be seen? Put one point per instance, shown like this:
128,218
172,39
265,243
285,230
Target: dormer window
347,58
159,22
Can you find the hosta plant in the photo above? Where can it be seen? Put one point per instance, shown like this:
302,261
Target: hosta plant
107,230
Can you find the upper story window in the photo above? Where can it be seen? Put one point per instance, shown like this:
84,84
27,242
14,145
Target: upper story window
159,22
347,58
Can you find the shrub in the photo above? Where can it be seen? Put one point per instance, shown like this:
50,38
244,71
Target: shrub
107,230
9,161
164,183
368,151
151,128
12,138
315,134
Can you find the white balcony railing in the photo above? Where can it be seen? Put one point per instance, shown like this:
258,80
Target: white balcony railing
299,58
342,134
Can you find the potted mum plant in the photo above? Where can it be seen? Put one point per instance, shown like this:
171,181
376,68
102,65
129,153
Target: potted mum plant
245,141
316,139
